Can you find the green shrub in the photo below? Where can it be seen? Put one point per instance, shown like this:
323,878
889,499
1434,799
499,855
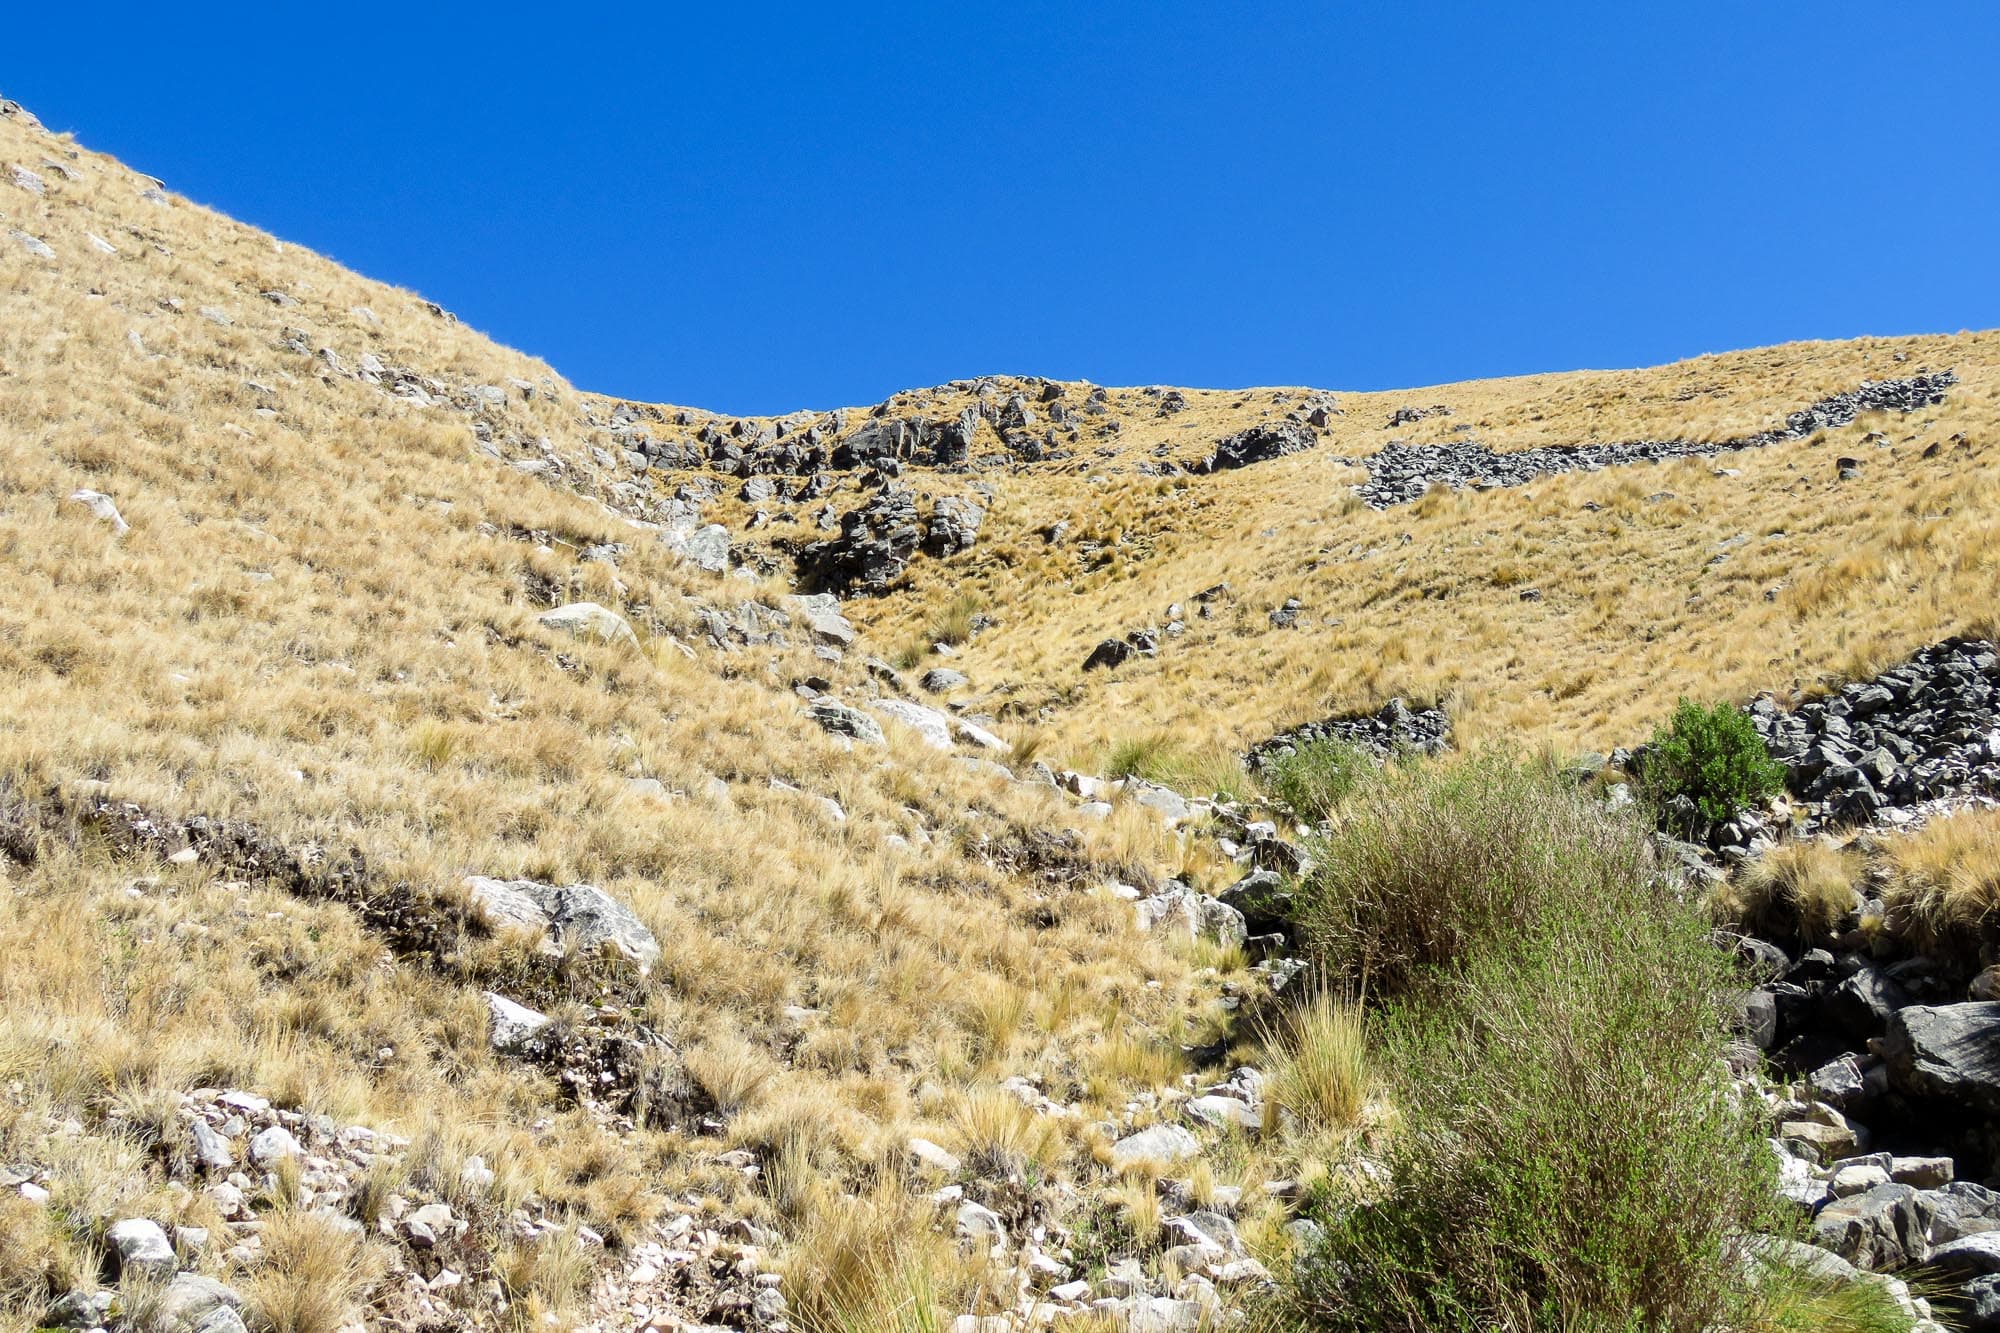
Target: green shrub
1439,862
1569,1153
1316,777
1714,757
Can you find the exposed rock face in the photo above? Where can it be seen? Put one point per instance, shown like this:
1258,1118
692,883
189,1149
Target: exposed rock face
954,526
1394,727
1927,728
1260,444
579,914
874,547
1950,1052
1400,473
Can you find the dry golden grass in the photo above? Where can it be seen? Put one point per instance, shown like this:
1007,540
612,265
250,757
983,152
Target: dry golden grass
1942,883
1801,889
322,621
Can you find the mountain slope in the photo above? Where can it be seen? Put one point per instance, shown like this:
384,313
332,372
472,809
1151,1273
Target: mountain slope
260,730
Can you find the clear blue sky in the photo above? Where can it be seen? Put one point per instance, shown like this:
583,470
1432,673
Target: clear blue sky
760,207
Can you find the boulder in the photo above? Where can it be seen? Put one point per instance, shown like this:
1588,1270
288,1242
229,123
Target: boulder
1881,1228
582,916
589,620
1950,1052
196,1304
841,720
942,680
1108,654
934,727
142,1248
820,613
1160,1143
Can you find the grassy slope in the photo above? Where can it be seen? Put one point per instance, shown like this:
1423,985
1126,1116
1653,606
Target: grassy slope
322,621
1830,577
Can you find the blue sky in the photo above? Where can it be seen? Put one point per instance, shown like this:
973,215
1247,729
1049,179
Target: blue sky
754,208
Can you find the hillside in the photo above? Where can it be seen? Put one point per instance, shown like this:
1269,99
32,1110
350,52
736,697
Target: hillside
340,642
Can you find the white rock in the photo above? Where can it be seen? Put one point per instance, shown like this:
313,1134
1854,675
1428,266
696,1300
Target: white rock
929,1154
273,1146
511,1023
100,504
588,619
142,1247
34,245
1161,1143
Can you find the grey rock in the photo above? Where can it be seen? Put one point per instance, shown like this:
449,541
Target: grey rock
1947,1051
942,680
821,614
103,508
142,1248
1881,1228
582,916
211,1150
840,720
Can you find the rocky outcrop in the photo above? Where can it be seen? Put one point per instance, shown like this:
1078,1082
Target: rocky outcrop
1400,473
1395,727
878,539
1925,729
1260,444
579,916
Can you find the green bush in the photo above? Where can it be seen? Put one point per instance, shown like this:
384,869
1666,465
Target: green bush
1714,757
1316,777
1569,1152
1437,863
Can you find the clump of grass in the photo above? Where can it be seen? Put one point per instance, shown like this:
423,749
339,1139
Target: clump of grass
1942,885
1788,1300
1714,759
1318,1067
1316,777
1801,890
312,1274
999,1136
731,1071
546,1274
954,624
1160,758
870,1265
1568,1153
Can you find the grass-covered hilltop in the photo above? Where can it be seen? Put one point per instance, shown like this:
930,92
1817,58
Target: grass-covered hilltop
1022,855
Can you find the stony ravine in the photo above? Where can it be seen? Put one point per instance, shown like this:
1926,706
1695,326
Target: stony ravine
1401,473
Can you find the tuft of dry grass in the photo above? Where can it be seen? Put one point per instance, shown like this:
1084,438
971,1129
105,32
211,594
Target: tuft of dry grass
1796,889
1318,1066
1942,883
310,1276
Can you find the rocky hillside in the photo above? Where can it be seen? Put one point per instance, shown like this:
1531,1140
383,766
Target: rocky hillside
480,854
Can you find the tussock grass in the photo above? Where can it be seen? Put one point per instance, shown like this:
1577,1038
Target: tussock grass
310,1276
1942,884
1319,1068
875,1264
1796,890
